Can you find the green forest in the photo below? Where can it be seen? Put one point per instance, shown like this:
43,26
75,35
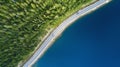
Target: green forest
24,23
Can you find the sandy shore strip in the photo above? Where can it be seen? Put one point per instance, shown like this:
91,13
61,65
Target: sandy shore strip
51,38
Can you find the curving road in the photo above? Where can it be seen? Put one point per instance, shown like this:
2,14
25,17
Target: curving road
60,29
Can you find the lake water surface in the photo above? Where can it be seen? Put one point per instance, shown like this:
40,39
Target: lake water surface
92,41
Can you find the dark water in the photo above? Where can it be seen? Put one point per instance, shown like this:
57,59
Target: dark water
92,41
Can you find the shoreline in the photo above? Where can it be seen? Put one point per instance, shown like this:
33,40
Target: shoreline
58,31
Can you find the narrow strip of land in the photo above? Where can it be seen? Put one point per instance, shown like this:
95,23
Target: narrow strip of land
60,29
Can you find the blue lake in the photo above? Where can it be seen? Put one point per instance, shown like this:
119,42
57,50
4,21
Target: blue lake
92,41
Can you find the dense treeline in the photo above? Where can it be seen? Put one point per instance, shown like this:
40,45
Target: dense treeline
23,24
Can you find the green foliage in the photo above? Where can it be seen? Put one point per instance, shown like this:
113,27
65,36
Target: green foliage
23,22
